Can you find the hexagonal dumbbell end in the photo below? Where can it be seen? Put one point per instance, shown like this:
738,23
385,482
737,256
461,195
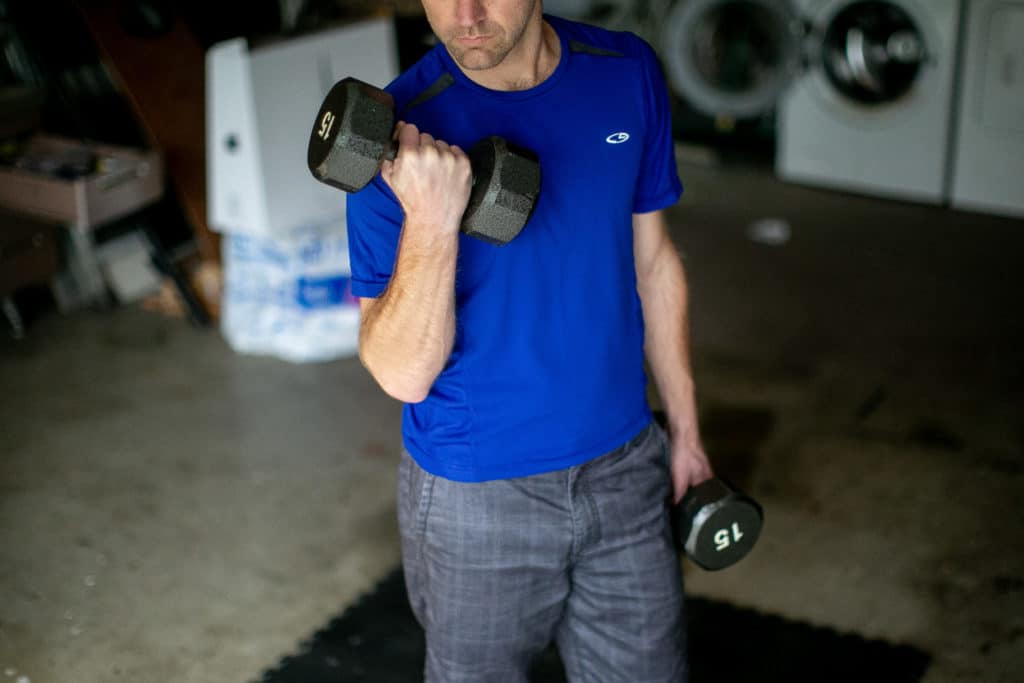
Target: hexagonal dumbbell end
351,135
716,524
506,185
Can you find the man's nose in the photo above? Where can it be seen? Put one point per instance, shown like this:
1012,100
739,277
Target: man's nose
469,12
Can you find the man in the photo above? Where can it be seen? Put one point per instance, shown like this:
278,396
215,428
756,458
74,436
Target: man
533,495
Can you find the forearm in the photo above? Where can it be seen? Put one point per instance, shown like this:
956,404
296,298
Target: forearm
663,293
661,285
407,333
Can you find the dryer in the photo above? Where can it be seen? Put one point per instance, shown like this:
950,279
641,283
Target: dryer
988,157
863,88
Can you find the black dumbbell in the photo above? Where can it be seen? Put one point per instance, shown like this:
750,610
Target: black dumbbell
716,525
353,134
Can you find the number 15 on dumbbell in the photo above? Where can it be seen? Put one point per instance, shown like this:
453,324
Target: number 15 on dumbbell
716,524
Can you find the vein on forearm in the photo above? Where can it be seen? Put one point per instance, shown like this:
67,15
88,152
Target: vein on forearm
663,293
409,333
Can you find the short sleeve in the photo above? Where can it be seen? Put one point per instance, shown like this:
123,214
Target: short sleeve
659,185
374,225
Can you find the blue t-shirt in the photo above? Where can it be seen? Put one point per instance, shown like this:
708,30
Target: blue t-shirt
547,369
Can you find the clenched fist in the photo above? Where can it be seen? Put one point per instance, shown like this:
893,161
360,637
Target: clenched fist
430,178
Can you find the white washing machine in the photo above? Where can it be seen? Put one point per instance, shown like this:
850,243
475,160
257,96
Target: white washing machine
864,88
988,157
617,15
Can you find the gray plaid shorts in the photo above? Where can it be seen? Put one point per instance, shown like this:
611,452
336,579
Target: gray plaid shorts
582,556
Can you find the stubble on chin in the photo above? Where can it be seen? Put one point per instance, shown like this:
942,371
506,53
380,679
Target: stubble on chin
474,59
478,58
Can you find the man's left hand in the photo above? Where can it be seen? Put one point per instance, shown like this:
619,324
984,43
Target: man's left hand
689,465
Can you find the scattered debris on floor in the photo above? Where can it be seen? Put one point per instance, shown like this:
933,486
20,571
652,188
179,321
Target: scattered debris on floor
771,231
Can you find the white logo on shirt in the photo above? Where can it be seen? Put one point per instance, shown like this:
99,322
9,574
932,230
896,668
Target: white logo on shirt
617,138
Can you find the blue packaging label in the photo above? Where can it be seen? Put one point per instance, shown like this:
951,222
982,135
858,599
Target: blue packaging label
312,293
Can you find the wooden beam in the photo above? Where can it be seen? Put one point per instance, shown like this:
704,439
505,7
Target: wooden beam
163,78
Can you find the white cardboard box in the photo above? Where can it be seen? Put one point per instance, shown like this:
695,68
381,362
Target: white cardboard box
260,106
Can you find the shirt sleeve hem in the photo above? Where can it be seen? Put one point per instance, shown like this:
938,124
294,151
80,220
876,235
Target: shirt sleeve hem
660,201
366,289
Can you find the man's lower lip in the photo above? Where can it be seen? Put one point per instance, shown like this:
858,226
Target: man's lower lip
473,41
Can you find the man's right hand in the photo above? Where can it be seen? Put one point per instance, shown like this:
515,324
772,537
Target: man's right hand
431,180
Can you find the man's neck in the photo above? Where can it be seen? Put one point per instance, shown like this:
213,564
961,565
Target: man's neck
528,64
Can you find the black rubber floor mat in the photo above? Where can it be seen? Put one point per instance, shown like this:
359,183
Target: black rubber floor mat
377,640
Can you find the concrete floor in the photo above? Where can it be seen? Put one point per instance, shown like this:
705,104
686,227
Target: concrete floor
171,511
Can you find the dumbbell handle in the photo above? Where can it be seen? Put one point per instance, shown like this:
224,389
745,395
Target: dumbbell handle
354,132
391,153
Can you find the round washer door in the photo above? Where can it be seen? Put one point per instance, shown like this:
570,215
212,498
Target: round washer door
732,57
872,52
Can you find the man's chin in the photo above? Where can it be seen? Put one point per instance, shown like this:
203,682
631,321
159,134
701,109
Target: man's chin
474,59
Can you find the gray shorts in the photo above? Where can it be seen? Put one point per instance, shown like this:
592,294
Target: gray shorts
583,556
